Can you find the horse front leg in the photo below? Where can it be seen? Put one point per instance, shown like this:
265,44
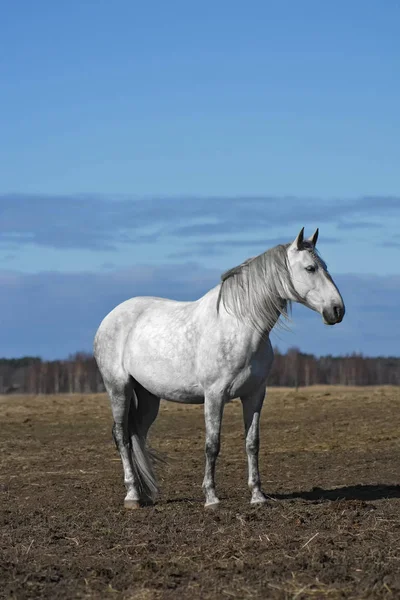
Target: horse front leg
213,410
252,406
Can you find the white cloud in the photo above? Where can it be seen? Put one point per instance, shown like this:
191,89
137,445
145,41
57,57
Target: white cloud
53,314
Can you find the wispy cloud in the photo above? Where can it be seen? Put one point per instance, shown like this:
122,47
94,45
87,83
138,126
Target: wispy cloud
390,244
215,247
54,314
99,223
353,225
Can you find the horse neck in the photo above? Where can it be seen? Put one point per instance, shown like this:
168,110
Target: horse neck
262,332
265,330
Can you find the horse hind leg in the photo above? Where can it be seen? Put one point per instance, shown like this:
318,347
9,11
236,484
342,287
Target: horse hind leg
120,394
146,413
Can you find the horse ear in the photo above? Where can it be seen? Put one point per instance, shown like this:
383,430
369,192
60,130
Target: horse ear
298,242
313,239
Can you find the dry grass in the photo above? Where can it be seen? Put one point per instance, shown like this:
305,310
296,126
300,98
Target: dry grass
329,462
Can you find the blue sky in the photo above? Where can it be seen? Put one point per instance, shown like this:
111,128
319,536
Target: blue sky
145,148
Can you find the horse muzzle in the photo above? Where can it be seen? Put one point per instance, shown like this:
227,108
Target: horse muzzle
334,314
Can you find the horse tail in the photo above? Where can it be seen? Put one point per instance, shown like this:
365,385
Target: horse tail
142,457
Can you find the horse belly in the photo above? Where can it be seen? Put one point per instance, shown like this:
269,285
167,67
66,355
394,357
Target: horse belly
165,373
172,389
168,385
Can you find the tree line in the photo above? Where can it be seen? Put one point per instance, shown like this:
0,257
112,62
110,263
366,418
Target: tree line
79,373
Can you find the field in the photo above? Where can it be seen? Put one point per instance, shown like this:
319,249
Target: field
329,459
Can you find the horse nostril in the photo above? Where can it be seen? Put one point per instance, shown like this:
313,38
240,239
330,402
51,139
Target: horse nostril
338,312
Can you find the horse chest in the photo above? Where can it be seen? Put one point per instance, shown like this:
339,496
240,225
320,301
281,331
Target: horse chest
248,379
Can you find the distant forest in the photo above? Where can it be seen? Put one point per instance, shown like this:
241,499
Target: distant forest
79,373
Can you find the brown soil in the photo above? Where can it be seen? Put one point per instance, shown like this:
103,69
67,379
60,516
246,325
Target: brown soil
330,463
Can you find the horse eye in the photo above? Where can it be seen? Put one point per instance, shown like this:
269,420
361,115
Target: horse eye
311,269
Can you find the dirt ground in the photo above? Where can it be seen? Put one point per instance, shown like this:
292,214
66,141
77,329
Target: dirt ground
330,462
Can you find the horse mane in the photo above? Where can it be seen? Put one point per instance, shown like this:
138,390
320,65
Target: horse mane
256,291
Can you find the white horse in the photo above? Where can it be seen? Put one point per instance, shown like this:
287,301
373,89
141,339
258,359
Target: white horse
209,351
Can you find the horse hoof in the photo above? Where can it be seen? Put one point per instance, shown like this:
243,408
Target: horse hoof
131,504
211,505
258,501
146,502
